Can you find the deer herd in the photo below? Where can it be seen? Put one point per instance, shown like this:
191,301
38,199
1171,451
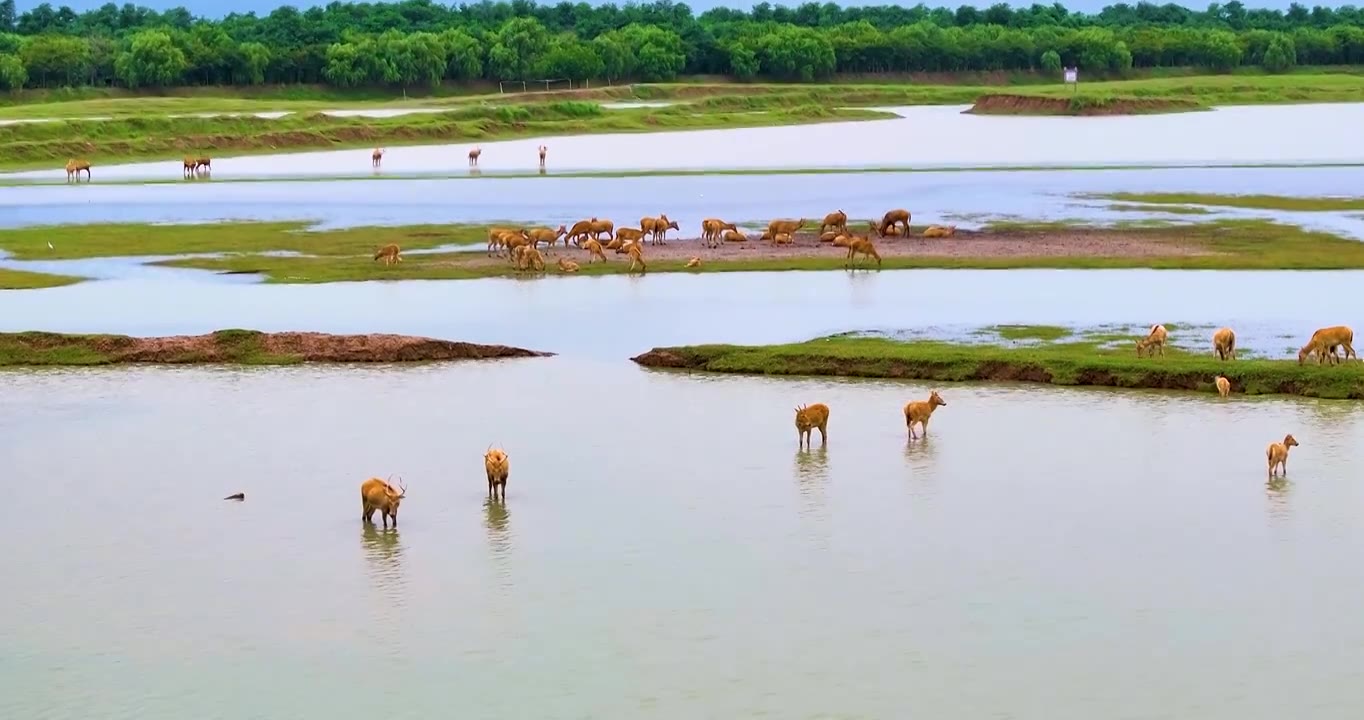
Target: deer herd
522,246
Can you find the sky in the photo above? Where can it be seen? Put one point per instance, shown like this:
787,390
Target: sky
218,8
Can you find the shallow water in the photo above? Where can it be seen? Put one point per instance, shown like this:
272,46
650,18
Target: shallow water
965,198
924,136
616,317
652,561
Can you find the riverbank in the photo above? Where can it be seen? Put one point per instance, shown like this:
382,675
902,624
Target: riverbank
1079,105
1246,86
38,145
246,347
1084,362
24,280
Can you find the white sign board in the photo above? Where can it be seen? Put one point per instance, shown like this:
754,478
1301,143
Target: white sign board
1072,75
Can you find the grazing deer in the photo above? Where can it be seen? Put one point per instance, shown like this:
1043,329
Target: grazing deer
389,253
1223,386
862,246
1325,341
1224,344
1154,339
191,166
890,220
636,256
375,494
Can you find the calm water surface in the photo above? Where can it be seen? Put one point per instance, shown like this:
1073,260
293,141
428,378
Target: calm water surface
932,136
965,198
665,550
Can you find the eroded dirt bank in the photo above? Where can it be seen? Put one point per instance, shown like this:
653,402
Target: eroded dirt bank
240,346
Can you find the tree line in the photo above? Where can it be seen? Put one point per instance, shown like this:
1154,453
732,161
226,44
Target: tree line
418,42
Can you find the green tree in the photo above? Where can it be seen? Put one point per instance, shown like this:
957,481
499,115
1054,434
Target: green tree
571,58
463,55
56,59
518,45
152,59
12,72
1280,55
1051,62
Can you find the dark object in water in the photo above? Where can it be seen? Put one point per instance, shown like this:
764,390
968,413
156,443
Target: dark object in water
238,496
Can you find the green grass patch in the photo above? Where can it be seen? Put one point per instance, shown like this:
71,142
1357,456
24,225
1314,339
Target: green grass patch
1073,363
1257,202
1247,85
1045,333
106,142
243,347
25,280
135,239
1172,209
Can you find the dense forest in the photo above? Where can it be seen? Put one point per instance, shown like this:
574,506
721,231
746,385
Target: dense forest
418,42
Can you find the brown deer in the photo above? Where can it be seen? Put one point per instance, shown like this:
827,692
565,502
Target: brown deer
732,235
375,494
899,216
580,231
1325,341
568,266
658,227
389,253
497,466
810,417
603,226
861,246
204,164
473,156
543,150
74,167
594,251
636,256
940,231
790,227
1277,454
376,157
835,221
1154,339
1224,344
191,166
920,411
694,262
547,236
1223,386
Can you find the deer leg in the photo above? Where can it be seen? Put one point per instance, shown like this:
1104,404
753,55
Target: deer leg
823,436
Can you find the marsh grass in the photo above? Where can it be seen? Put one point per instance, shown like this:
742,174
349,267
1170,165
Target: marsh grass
1082,362
1256,202
25,280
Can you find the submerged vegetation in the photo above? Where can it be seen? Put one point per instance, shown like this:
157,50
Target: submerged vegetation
1256,202
1078,361
1018,104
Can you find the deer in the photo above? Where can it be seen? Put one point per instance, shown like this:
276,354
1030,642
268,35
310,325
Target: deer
376,494
836,221
376,157
389,253
658,227
497,466
473,156
74,167
1224,344
1277,454
1325,341
543,150
1154,339
920,411
862,246
899,216
808,418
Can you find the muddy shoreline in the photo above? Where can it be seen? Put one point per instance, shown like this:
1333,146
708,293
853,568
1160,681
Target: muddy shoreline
240,347
989,243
